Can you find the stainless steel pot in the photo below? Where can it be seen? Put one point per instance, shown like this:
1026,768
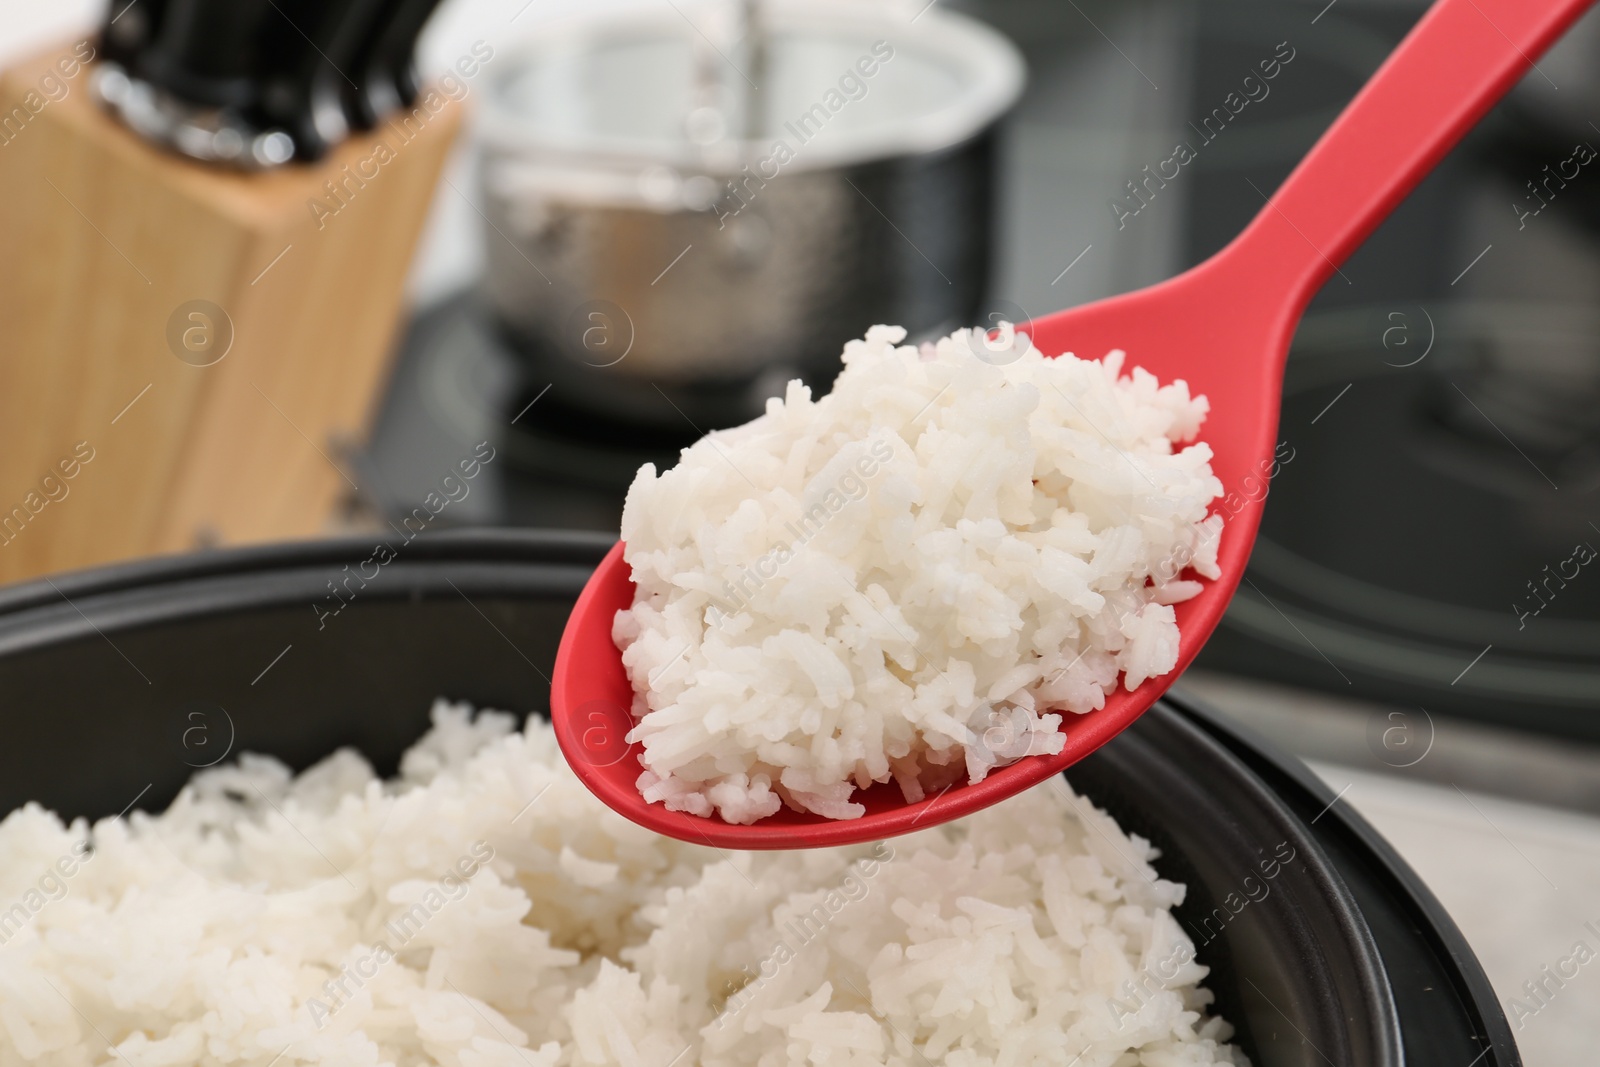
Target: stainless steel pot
645,257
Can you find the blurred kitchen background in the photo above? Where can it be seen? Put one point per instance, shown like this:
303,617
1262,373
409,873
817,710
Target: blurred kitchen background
1419,620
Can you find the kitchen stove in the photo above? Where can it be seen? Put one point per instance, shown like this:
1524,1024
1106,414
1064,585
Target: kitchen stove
1431,540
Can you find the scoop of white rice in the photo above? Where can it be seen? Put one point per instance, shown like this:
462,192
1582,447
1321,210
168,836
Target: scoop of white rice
485,910
911,577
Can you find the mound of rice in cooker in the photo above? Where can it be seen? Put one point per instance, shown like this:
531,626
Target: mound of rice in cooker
484,910
910,578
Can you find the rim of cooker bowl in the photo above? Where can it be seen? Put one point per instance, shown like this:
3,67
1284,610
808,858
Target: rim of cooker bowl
1325,923
1299,788
224,581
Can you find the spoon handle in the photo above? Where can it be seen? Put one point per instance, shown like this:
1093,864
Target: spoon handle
1460,58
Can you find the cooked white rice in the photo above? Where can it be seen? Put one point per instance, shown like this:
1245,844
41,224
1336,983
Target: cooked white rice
324,919
911,577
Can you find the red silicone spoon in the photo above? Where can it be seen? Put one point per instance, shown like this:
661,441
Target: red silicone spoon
1225,326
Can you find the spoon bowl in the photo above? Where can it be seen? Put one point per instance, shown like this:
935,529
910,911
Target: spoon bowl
1223,326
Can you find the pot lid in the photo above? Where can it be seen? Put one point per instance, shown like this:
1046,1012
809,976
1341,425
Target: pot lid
828,85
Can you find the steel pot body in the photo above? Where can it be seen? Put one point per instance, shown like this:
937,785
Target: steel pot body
630,263
614,303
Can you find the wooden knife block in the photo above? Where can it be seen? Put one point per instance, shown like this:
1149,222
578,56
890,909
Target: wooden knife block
103,238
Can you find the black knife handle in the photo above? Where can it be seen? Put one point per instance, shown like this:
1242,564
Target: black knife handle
388,80
205,51
308,48
358,106
130,27
233,75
